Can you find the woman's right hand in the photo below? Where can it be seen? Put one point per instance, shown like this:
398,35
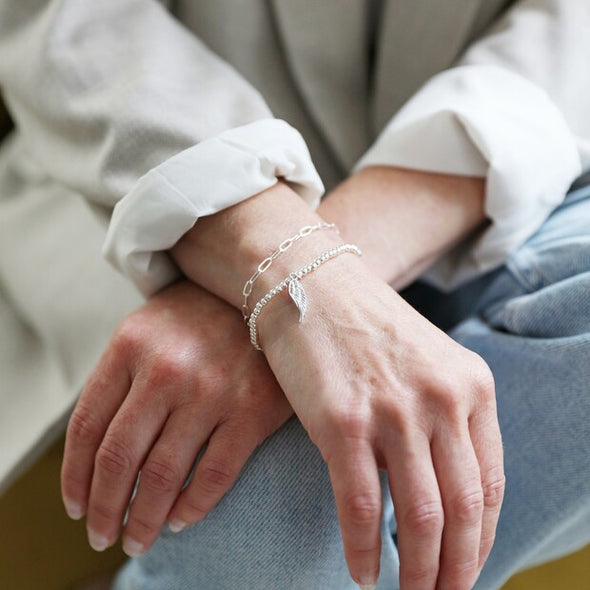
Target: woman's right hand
178,378
379,387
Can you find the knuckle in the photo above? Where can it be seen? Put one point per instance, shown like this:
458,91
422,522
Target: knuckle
159,477
420,576
425,518
493,487
113,458
467,507
215,476
362,509
190,509
461,574
105,512
71,483
483,378
141,527
452,404
127,335
83,427
168,368
351,423
449,397
396,417
73,487
362,554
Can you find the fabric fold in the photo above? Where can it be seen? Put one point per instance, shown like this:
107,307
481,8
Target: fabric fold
214,174
485,121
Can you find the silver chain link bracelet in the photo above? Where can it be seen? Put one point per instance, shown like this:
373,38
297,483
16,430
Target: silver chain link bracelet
283,246
296,290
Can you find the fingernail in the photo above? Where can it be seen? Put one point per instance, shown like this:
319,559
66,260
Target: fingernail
367,583
132,547
73,509
176,525
97,542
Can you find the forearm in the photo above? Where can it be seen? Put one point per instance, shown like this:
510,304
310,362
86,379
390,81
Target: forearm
403,220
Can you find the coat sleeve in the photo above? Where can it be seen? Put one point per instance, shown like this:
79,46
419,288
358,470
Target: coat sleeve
119,102
515,111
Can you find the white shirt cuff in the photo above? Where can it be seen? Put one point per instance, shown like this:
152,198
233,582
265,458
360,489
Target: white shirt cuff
204,179
483,120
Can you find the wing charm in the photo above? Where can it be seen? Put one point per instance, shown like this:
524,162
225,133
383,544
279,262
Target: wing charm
299,297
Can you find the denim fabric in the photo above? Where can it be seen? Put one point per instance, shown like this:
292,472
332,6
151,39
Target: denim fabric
530,320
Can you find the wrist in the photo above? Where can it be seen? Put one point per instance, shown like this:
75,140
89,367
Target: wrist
328,288
293,286
222,251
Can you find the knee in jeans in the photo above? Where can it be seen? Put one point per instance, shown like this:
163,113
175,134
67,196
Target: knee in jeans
555,309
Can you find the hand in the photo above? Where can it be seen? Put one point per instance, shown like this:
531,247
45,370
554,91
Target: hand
178,376
374,383
378,387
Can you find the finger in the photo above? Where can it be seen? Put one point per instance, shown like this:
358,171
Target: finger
357,491
487,442
459,482
103,394
217,471
418,510
162,477
126,443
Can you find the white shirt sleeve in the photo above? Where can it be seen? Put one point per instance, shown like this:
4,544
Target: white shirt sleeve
105,92
515,111
208,177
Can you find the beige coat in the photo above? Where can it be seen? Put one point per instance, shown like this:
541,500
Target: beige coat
103,92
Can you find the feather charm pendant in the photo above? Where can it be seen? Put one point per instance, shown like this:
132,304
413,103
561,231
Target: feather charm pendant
299,297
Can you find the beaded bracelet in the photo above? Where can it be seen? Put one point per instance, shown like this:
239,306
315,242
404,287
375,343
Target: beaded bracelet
283,246
296,290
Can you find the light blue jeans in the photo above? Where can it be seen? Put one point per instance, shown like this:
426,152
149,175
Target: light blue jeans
530,320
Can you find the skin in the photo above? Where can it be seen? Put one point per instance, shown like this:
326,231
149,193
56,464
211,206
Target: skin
375,384
178,373
403,220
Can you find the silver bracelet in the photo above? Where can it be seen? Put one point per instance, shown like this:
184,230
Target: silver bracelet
283,246
296,290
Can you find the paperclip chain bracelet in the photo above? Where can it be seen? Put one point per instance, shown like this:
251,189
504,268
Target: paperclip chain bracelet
296,291
283,246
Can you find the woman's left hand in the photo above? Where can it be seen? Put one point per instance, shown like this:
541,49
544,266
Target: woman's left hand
377,386
178,375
